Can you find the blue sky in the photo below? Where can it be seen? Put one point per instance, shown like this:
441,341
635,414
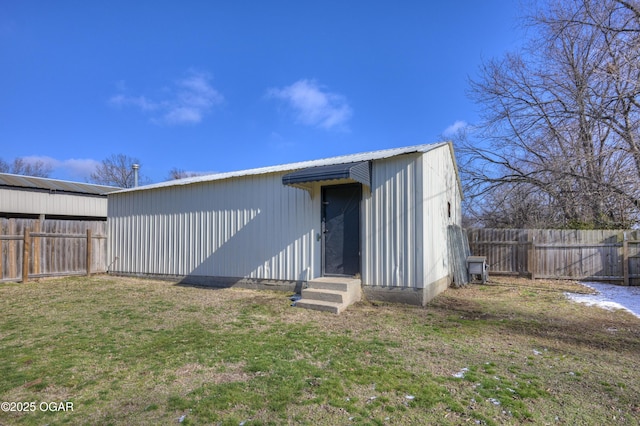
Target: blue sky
213,86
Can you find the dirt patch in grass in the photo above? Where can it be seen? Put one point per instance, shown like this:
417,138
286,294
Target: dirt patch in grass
132,351
191,376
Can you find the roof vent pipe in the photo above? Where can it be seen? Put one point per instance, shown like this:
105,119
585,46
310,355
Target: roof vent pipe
135,168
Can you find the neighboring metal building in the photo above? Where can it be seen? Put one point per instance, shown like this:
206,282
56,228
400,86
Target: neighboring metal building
27,196
381,216
60,218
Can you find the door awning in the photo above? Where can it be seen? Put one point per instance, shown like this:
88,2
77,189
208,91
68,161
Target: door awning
355,172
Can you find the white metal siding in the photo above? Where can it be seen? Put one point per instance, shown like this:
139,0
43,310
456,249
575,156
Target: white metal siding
251,227
440,186
389,255
406,218
34,202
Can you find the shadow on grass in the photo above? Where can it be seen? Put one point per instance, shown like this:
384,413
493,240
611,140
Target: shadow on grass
559,286
219,283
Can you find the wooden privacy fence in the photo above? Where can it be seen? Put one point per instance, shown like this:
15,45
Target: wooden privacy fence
599,255
40,248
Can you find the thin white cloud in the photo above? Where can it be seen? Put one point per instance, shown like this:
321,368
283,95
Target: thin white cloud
187,102
313,105
183,115
81,167
74,168
455,128
49,162
136,101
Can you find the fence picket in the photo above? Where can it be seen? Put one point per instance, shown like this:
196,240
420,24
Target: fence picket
564,254
54,247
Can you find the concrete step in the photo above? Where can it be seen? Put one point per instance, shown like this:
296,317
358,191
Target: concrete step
328,285
333,294
321,305
324,295
336,283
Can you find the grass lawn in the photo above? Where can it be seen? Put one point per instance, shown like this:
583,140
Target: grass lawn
126,351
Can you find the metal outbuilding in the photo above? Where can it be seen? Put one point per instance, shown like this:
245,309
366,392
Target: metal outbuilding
29,196
379,216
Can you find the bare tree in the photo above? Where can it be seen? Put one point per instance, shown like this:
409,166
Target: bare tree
617,26
176,173
559,123
20,166
117,170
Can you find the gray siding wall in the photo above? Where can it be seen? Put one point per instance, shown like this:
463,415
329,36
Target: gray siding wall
33,202
251,227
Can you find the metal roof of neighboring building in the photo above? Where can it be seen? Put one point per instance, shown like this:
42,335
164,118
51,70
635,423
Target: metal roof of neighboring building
54,185
351,158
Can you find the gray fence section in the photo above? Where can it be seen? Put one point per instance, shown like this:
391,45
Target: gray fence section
598,255
40,248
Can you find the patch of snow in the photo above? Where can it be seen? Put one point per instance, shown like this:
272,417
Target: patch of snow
610,297
460,374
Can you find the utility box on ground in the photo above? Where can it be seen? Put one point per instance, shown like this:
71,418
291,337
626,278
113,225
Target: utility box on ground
477,267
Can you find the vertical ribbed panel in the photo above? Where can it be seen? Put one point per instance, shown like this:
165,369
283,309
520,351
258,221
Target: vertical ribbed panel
389,246
440,187
251,227
406,219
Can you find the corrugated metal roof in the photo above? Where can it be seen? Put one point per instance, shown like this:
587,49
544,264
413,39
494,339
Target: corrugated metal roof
38,183
351,158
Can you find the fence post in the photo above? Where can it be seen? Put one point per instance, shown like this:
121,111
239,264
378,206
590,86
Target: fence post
625,259
89,252
12,250
35,246
533,265
25,256
1,254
